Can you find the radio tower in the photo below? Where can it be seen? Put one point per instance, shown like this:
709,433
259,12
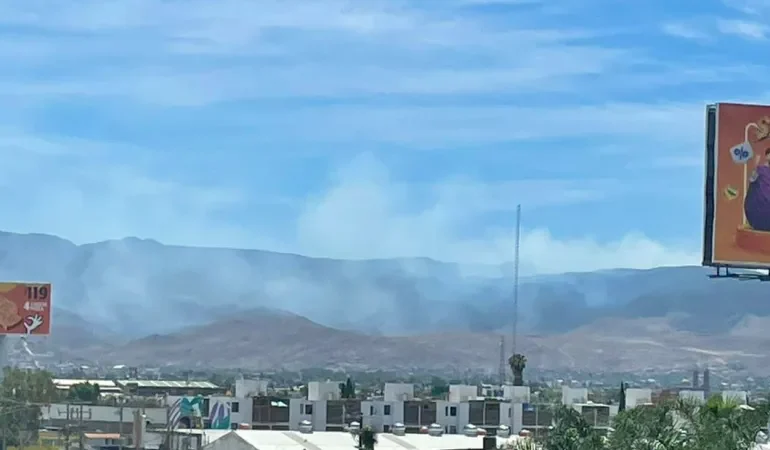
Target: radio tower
516,278
503,369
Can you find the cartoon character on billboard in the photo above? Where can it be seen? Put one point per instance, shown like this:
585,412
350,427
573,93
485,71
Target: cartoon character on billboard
756,185
756,205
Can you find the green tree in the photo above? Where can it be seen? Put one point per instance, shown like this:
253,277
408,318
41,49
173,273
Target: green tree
84,392
348,389
518,363
22,393
368,438
438,387
572,432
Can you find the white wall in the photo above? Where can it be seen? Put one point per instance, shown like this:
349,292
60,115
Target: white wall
244,407
698,396
570,395
518,394
374,413
323,390
462,393
637,397
58,411
297,413
394,392
250,388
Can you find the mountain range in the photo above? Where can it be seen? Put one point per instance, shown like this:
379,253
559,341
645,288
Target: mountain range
137,297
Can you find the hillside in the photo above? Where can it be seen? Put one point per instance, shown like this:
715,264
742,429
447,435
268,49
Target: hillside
132,288
267,340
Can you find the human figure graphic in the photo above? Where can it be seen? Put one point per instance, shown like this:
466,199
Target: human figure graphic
757,203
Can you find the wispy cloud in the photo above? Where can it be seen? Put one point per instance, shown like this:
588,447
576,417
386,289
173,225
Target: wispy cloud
684,30
235,123
742,28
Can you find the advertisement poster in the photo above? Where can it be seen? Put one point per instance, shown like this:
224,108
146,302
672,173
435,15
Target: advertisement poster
740,222
25,308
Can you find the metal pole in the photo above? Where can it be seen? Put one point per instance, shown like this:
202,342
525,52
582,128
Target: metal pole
67,430
516,278
120,427
80,429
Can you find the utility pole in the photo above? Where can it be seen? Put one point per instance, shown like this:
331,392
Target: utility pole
120,427
67,430
80,428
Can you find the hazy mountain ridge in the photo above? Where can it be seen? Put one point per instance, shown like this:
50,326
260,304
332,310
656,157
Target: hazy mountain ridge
134,287
267,340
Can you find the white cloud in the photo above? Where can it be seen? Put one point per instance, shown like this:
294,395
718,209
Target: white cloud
437,127
744,29
684,30
199,53
366,215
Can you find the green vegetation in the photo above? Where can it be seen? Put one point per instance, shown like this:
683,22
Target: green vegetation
518,363
21,394
679,425
83,393
368,438
348,389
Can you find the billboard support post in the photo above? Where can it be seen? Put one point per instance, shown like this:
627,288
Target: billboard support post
4,351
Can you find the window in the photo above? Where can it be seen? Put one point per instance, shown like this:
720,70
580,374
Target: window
309,409
371,410
453,411
235,407
386,410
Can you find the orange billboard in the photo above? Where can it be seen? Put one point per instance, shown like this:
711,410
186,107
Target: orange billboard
25,308
737,225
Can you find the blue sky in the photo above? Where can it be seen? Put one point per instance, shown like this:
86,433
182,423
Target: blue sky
373,128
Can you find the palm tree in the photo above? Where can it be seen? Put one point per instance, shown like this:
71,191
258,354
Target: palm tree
518,363
368,438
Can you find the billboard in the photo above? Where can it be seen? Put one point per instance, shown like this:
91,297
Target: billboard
737,210
25,308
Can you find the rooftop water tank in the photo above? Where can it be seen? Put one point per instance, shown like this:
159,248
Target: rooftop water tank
305,426
435,429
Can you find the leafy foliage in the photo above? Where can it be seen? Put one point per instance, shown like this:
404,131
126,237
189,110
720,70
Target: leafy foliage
22,393
84,392
676,425
348,389
368,438
518,363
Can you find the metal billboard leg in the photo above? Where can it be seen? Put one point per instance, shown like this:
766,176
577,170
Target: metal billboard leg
4,350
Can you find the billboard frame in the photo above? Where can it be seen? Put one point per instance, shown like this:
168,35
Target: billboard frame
709,210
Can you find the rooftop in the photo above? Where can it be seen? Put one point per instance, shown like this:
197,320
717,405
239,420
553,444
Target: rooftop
335,440
65,383
160,384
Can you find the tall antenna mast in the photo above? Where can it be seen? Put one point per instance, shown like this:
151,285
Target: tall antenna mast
503,369
516,278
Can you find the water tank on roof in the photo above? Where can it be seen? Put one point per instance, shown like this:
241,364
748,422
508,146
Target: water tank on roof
470,430
305,426
435,429
503,431
399,429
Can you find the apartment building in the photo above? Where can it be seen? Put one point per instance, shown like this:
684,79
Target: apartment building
323,410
